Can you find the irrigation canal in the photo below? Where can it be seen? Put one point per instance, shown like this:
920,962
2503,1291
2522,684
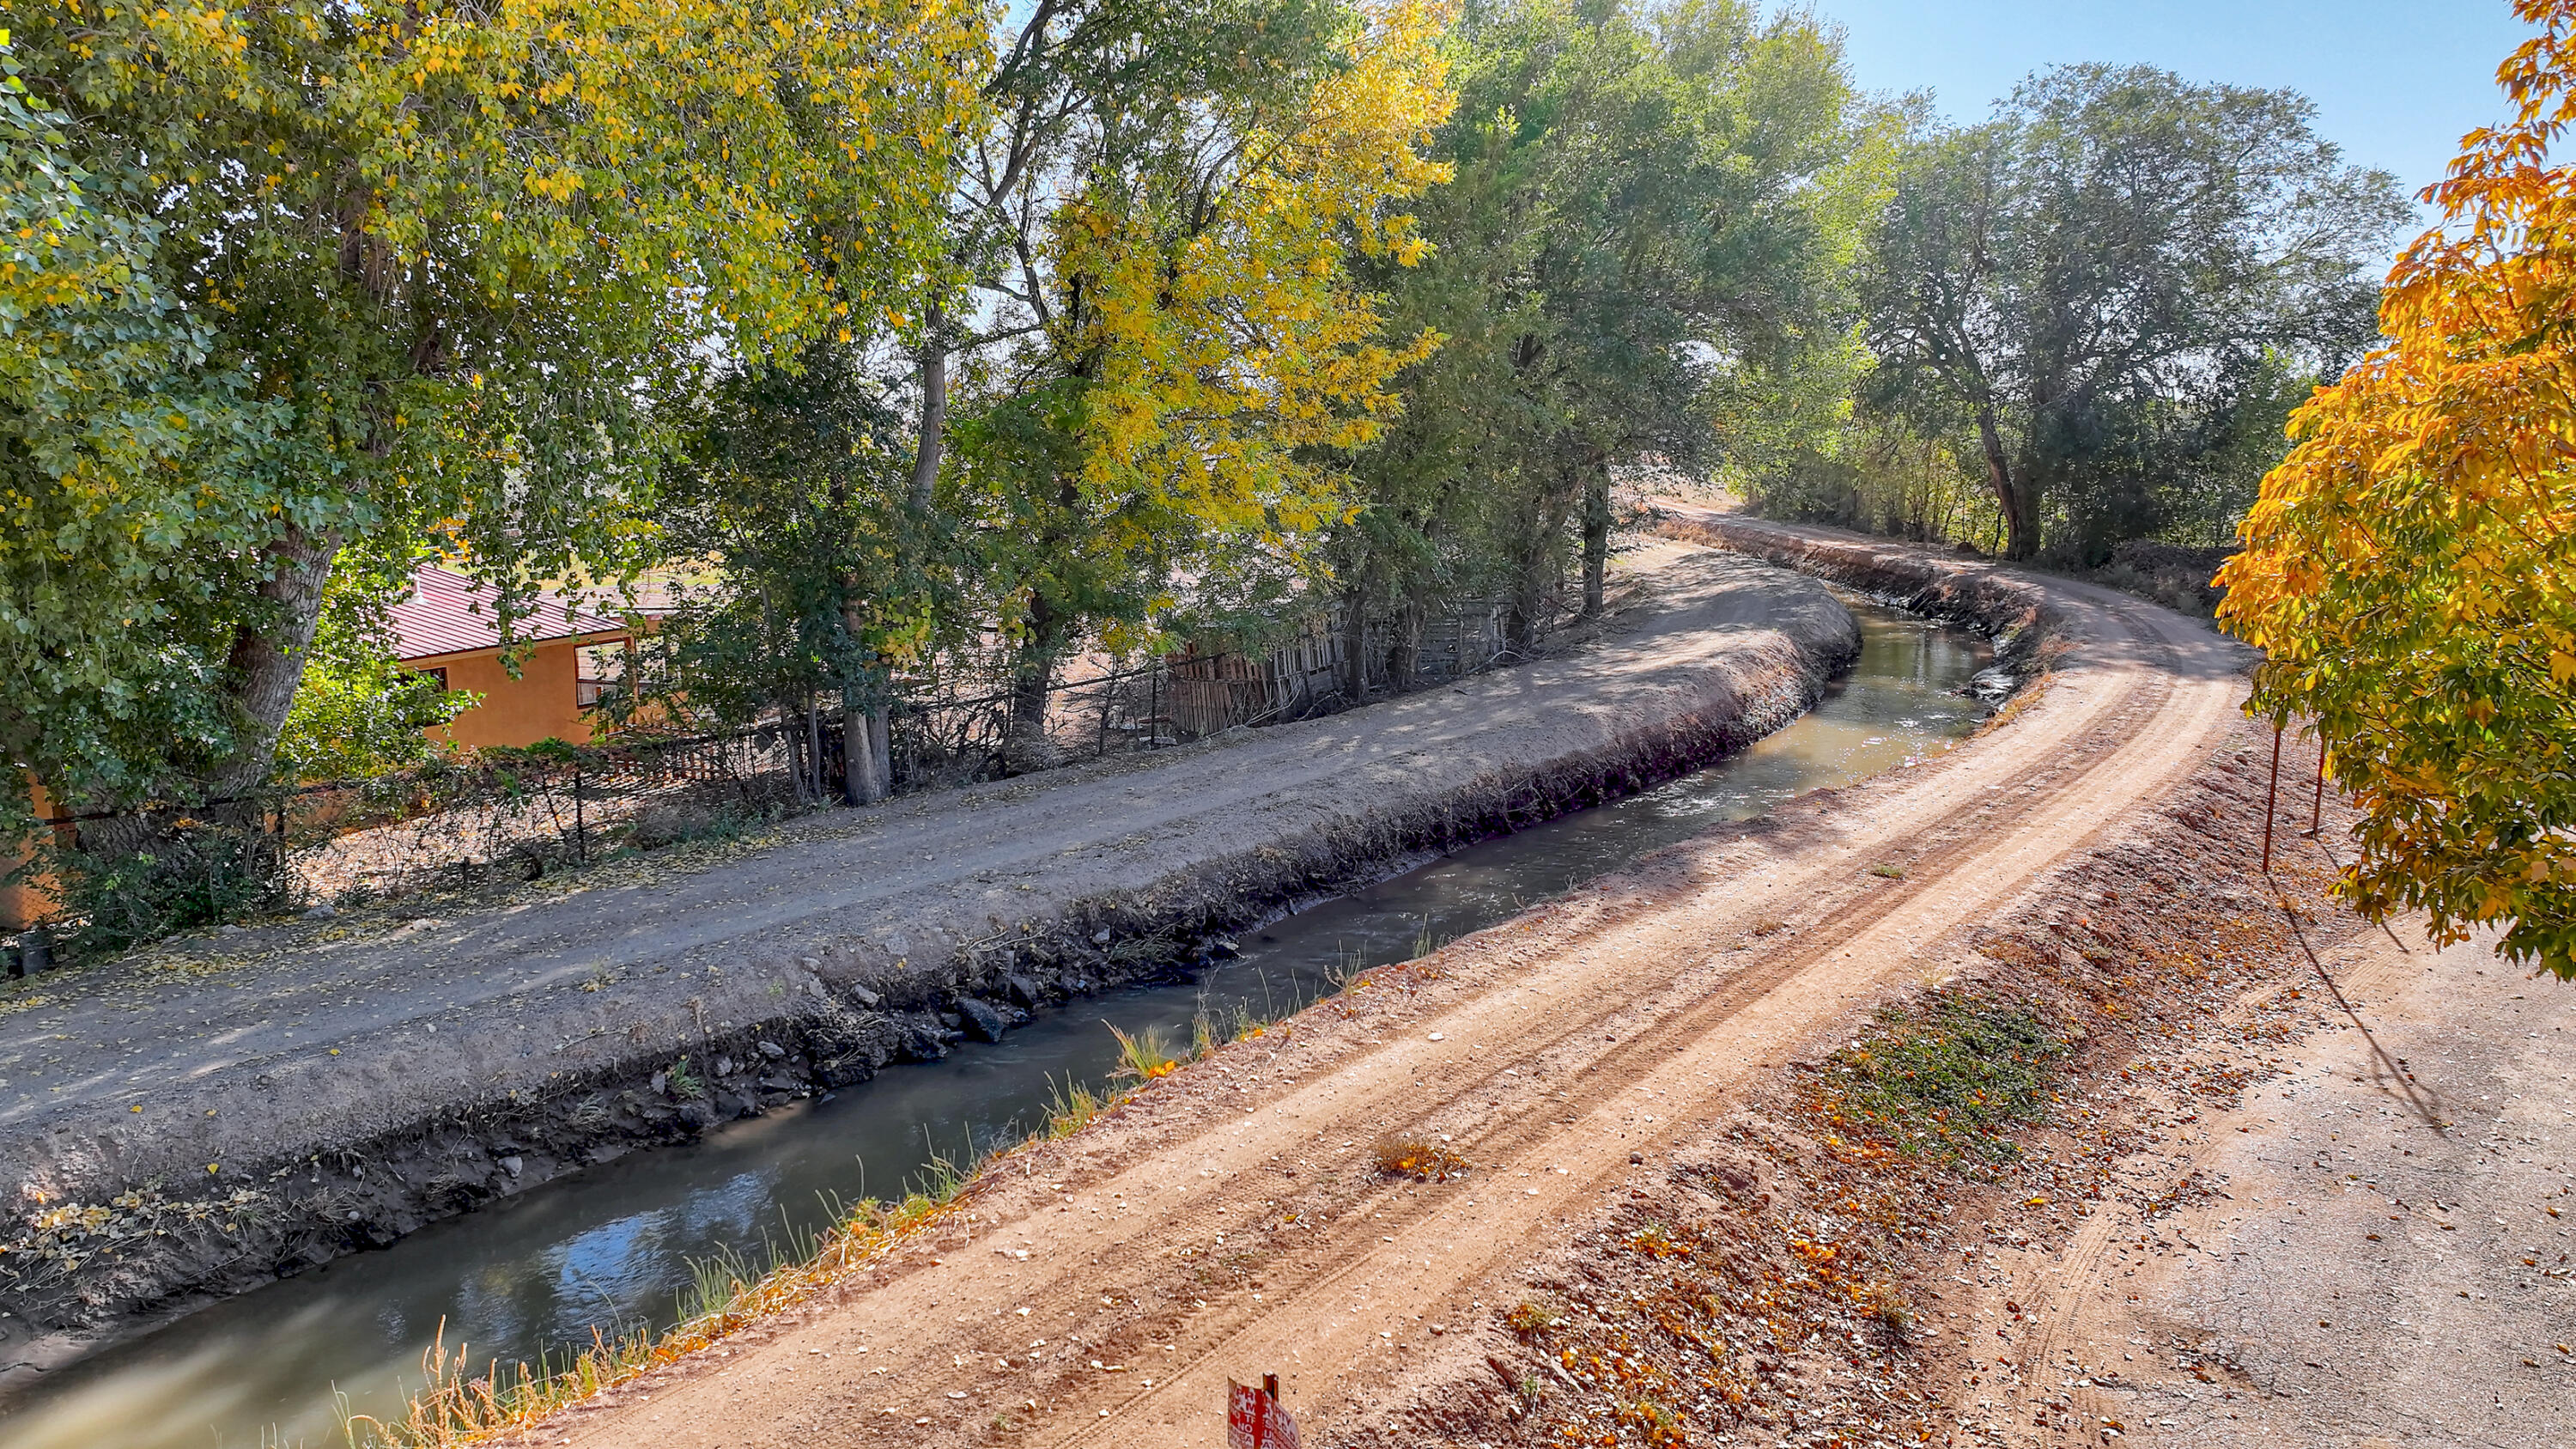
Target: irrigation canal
617,1246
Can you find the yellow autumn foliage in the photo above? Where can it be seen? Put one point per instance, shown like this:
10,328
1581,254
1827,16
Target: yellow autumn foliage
2411,567
1224,329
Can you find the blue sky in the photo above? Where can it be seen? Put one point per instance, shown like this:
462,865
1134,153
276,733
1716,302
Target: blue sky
2395,81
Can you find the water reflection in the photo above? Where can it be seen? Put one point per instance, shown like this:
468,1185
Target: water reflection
613,1247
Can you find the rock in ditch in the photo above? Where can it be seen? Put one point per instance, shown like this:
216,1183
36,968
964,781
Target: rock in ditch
773,1051
512,1165
982,1019
865,997
1023,992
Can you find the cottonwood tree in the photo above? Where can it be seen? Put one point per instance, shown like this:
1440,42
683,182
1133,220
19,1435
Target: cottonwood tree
2410,569
424,272
1154,244
1644,208
114,563
2118,249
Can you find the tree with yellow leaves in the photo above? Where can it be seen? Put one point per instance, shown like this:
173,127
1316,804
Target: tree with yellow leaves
2411,567
1177,340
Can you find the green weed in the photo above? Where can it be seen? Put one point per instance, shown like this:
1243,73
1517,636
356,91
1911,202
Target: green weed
1145,1056
1072,1107
1944,1081
685,1083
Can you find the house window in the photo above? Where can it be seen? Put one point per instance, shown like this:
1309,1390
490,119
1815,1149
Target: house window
439,674
602,674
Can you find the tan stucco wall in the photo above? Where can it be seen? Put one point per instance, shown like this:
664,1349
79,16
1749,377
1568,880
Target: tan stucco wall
537,705
25,904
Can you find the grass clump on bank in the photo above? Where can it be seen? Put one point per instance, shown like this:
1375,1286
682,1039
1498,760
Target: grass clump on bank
1144,1056
464,1403
1945,1079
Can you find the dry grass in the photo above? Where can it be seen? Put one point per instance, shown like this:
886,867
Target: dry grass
1399,1156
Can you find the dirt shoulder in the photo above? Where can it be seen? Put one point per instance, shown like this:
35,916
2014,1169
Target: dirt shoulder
2371,1247
406,1069
1230,1221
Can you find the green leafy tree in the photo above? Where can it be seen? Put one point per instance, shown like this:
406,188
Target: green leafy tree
791,499
430,273
115,564
1649,207
2100,274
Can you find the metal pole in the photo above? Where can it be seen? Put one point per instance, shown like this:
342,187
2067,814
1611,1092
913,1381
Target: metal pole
2269,796
580,835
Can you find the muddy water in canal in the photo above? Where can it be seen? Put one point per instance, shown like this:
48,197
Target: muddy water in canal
615,1247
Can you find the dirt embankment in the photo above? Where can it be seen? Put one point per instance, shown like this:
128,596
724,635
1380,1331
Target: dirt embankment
205,1117
1233,1220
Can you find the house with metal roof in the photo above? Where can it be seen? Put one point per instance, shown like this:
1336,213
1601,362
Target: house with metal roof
568,657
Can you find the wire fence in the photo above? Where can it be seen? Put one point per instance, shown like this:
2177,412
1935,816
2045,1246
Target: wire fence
460,818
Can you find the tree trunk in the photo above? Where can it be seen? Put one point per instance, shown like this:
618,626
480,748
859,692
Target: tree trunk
1404,646
1355,637
2020,541
1534,575
1025,743
934,417
867,775
1596,531
268,657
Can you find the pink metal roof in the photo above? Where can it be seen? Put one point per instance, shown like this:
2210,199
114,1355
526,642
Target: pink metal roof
448,613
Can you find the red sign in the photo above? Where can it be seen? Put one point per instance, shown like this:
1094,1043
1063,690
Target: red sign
1255,1419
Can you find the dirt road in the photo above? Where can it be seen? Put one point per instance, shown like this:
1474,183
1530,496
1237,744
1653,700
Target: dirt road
1229,1222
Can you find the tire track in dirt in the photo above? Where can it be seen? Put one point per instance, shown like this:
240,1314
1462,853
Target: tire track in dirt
2093,1299
1549,1116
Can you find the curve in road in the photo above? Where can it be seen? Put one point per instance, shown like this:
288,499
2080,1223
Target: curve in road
1087,1293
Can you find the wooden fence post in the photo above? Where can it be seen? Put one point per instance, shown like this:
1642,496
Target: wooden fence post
2270,795
2317,806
